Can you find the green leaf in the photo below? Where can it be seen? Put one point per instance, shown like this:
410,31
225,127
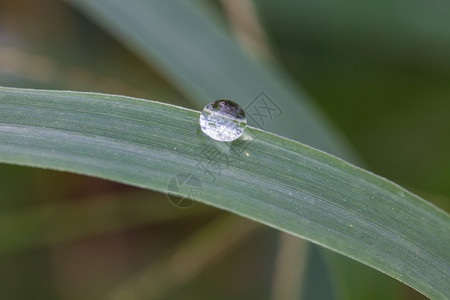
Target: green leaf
187,44
265,177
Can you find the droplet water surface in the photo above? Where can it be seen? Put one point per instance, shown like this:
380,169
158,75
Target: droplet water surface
223,120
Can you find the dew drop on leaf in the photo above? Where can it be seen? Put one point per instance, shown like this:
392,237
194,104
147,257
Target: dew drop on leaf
223,120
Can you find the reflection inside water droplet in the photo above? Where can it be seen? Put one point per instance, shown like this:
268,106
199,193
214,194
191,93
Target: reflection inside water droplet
223,120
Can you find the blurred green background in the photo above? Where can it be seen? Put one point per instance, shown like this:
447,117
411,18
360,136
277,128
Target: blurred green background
380,71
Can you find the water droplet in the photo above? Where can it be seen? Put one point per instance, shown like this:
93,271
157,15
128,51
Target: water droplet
223,120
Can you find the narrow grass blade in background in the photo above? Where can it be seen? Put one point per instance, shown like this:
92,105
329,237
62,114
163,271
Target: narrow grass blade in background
185,262
196,54
264,177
